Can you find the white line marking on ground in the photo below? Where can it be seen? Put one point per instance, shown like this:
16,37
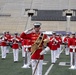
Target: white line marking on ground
49,69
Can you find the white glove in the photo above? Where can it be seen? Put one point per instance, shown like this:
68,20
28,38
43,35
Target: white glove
52,39
56,40
44,51
26,31
71,47
2,39
27,49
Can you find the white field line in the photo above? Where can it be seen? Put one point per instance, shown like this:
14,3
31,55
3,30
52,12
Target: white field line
49,69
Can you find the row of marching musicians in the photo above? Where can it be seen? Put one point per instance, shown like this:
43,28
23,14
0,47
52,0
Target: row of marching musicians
39,47
6,41
69,42
57,42
54,45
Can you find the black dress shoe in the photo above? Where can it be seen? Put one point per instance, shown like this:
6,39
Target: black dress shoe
30,66
15,61
3,58
53,62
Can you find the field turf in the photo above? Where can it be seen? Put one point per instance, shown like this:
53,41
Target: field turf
8,67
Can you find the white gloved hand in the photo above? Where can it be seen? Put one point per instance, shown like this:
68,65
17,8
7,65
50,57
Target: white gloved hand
71,47
74,47
44,51
27,49
52,39
26,31
2,39
56,40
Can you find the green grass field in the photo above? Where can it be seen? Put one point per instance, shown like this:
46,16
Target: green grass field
8,67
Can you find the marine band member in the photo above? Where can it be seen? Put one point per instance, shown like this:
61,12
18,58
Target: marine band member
15,46
66,40
36,47
3,45
72,46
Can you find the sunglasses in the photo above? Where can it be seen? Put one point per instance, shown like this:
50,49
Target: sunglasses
36,26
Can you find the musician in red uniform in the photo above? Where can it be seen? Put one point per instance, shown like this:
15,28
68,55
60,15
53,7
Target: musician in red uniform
8,35
53,47
35,56
59,43
72,46
66,40
3,45
15,46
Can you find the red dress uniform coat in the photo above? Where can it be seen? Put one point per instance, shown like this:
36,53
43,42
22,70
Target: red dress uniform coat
22,42
4,41
66,39
33,37
59,41
27,42
15,43
8,36
53,43
72,42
